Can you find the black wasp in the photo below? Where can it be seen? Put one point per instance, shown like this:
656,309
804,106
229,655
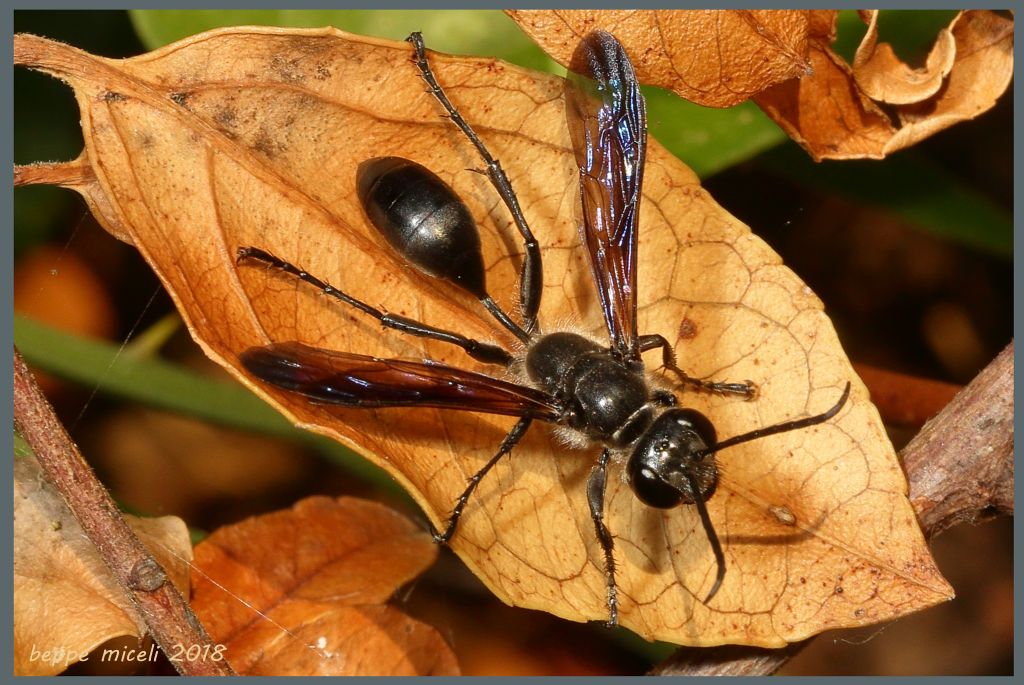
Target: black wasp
596,393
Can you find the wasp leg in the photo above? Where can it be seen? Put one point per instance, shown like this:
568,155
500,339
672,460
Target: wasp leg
531,279
513,437
746,389
596,486
484,352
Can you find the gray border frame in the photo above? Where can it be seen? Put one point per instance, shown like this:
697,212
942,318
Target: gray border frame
6,199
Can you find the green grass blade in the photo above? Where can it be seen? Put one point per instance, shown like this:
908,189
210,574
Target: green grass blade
163,385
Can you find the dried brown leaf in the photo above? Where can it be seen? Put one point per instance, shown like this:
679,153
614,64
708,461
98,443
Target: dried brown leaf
784,60
66,602
980,75
826,114
837,112
252,137
884,77
303,592
716,58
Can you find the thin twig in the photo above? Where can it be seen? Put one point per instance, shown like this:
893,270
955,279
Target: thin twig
960,468
165,612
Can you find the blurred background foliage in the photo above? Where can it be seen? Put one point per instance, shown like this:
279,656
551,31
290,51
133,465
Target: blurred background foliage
911,255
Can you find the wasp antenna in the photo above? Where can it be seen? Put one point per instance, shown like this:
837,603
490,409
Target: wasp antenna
781,427
709,529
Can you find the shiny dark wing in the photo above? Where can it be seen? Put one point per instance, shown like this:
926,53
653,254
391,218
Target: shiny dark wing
608,124
356,380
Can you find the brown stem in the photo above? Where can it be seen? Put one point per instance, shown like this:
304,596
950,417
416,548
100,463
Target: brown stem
959,467
71,174
168,617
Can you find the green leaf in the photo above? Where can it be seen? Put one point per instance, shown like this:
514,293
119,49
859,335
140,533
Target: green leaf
21,448
709,140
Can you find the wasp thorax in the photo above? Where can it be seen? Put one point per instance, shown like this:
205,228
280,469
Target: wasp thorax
603,398
550,358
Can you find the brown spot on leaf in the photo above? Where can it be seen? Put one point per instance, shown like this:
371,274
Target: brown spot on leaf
266,144
289,70
226,119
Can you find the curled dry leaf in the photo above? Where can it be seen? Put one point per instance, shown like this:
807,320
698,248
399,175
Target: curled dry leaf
885,78
303,592
716,58
881,105
252,137
66,602
784,60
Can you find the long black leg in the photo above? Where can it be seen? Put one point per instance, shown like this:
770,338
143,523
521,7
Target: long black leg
596,485
709,529
531,279
513,437
484,352
668,357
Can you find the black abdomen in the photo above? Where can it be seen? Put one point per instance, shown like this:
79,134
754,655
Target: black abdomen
423,219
